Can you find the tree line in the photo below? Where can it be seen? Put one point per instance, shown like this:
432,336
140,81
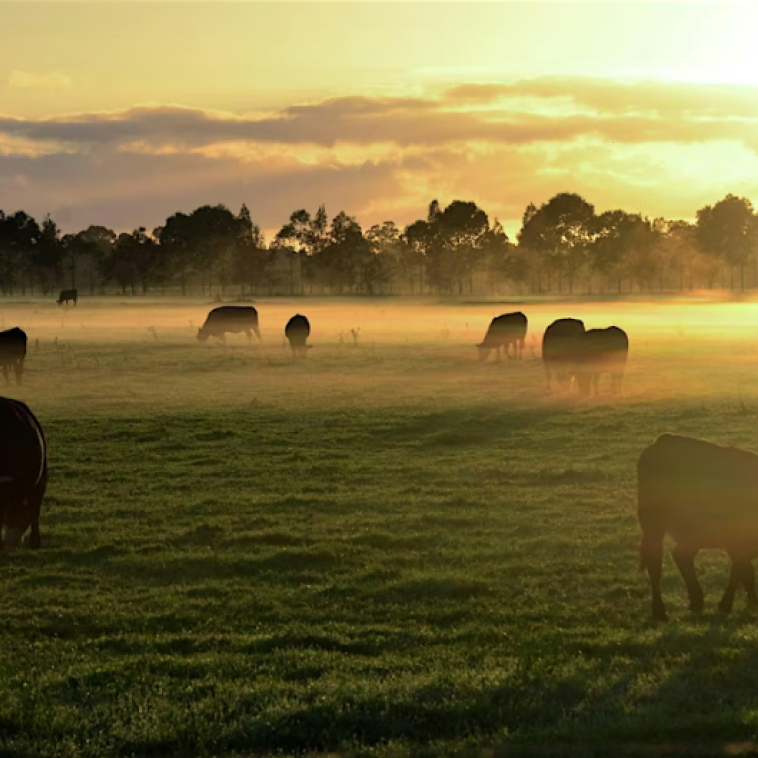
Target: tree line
563,247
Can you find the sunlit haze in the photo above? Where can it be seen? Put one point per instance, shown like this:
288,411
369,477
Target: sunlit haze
123,113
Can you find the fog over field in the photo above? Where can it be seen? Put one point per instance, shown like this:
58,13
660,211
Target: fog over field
388,548
126,353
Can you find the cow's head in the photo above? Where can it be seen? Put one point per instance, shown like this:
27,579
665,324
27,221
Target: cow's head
484,351
202,335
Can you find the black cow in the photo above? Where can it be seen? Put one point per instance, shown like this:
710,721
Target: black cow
704,496
13,352
23,472
510,328
297,331
558,344
230,318
596,352
67,295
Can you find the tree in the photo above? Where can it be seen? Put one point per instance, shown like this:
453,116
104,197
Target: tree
47,257
300,239
726,231
461,231
504,260
607,253
387,249
137,260
561,231
417,239
250,254
19,234
179,239
96,243
678,248
341,259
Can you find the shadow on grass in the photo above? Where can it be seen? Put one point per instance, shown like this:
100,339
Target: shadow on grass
472,425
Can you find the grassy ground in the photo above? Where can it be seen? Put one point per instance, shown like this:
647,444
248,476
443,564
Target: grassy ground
387,549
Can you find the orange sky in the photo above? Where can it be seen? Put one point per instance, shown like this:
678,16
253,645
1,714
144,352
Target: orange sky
122,113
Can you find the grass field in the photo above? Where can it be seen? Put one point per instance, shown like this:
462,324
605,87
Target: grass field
387,549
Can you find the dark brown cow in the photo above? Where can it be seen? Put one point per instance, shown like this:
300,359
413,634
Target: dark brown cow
297,330
230,318
13,352
557,349
67,295
704,496
597,352
508,329
23,472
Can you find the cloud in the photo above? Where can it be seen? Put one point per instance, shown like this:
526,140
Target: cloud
513,113
51,80
655,148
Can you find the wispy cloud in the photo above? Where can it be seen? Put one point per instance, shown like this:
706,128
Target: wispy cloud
657,148
50,80
514,113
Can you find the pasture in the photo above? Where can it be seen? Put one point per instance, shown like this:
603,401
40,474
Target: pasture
385,549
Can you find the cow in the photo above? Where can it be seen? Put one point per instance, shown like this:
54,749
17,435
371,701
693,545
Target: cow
557,349
297,331
67,295
510,328
13,352
597,352
230,318
704,496
23,473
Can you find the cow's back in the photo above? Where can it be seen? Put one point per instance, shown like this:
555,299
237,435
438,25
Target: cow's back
13,344
699,491
23,448
603,347
226,313
559,339
506,328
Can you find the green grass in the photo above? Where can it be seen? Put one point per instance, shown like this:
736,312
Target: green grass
385,550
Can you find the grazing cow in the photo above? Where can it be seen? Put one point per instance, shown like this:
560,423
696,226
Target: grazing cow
13,352
557,349
23,472
297,331
510,328
704,496
67,295
596,352
230,318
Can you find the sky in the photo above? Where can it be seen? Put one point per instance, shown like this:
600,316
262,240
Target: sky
122,113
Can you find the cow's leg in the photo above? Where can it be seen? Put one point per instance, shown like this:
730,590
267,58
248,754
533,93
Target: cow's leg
685,561
19,369
497,353
736,575
547,375
652,559
34,539
748,580
742,573
5,373
596,384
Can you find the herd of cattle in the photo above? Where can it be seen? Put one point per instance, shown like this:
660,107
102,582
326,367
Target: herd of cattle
701,494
